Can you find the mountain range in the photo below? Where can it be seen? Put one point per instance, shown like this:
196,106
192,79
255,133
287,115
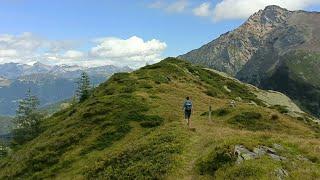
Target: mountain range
274,49
50,83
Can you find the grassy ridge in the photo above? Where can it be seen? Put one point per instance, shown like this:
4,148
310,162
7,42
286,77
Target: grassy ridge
132,127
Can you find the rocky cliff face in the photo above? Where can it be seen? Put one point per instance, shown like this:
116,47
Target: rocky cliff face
274,49
232,50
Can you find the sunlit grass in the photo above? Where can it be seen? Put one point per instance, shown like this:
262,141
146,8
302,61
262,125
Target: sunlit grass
133,126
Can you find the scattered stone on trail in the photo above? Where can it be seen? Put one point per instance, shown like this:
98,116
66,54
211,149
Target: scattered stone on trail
253,103
269,150
239,99
278,147
277,157
244,154
315,120
259,151
281,173
227,89
302,158
232,104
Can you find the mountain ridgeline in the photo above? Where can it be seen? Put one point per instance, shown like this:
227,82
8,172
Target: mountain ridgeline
132,127
274,49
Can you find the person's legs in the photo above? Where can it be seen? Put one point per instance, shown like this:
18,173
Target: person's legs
186,116
189,119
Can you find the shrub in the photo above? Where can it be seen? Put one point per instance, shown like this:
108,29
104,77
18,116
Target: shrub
204,114
300,118
211,92
215,160
251,121
221,112
145,85
280,109
218,112
151,160
151,121
106,139
274,117
120,77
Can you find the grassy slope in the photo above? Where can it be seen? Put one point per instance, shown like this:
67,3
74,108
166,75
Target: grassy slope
132,126
55,107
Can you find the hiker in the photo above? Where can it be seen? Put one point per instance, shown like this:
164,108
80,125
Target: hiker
187,107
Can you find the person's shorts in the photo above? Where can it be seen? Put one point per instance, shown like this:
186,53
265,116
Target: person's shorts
187,114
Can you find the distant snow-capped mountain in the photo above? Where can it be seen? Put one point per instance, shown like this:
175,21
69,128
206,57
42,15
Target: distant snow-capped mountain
50,83
16,70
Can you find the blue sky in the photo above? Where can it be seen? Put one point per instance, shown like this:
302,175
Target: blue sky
80,25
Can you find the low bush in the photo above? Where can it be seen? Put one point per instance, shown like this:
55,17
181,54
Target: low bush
221,112
211,92
150,160
152,121
274,117
251,121
215,160
218,112
280,109
106,139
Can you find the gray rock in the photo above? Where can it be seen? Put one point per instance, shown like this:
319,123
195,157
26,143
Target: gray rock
259,151
302,158
281,173
277,157
243,153
253,103
239,99
278,147
232,104
227,89
268,150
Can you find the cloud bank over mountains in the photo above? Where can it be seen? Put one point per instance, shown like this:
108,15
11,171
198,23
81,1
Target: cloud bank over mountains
228,9
29,48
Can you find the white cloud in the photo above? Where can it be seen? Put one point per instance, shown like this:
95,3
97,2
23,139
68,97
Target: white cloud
157,4
227,9
133,51
27,48
73,54
8,53
26,43
240,9
203,10
177,6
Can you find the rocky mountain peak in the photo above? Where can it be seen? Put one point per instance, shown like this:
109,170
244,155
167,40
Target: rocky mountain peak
270,16
275,8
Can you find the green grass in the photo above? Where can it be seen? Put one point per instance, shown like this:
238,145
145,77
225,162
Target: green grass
280,109
219,158
253,121
132,127
149,160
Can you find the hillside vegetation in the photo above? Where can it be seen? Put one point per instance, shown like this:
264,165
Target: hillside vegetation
132,127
